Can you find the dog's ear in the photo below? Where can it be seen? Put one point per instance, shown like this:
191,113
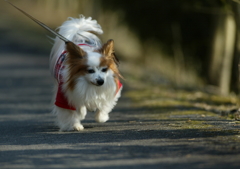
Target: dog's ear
74,50
108,48
108,51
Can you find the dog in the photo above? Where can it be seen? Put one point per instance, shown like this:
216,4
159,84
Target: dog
86,72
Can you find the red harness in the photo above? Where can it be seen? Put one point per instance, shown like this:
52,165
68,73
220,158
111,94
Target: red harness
61,100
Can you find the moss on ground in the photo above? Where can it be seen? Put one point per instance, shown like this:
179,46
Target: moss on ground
211,114
165,101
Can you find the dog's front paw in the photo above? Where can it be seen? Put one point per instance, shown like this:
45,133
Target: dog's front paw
75,127
101,118
78,127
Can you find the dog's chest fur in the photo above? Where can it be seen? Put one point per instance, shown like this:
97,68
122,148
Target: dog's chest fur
93,97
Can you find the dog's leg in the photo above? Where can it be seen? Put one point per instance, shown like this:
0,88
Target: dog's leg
101,115
83,112
67,120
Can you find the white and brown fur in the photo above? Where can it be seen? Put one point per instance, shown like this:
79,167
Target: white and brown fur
90,75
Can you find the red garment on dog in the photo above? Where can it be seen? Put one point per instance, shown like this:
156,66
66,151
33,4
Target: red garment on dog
61,99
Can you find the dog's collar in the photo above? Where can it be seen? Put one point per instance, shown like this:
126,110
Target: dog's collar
84,44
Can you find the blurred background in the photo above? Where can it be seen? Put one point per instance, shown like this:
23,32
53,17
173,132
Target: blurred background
190,44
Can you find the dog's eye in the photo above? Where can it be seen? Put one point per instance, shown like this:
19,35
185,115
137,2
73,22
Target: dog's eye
91,71
104,69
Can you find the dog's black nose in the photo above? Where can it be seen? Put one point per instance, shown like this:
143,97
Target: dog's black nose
100,82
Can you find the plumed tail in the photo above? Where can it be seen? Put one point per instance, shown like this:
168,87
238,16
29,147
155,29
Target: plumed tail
78,30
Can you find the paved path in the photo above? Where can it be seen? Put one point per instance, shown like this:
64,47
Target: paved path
131,139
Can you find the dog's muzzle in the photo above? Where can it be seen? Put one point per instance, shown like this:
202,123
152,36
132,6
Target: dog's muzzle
100,82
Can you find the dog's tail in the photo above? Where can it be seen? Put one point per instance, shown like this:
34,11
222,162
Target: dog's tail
78,30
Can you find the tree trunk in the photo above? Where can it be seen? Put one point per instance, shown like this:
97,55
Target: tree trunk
236,65
226,71
217,52
220,70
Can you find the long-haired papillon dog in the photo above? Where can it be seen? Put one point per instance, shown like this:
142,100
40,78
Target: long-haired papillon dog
86,72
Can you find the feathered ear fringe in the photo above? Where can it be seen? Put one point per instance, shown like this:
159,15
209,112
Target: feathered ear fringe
108,50
110,58
74,50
